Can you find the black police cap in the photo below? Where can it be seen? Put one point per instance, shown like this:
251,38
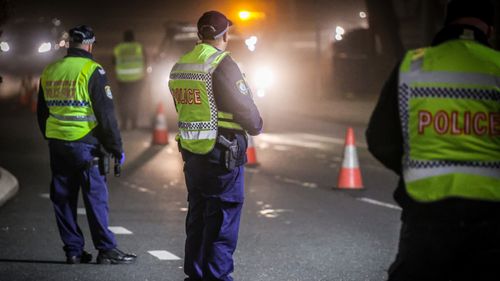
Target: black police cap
212,25
82,34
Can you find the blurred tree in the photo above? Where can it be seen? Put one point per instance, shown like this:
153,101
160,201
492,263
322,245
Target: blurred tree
384,24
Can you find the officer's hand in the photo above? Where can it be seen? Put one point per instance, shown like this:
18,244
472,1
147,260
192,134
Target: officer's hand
122,158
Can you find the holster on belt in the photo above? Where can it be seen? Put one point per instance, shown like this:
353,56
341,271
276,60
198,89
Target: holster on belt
102,161
231,153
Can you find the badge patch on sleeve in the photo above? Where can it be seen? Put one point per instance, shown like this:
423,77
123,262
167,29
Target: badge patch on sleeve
107,89
243,87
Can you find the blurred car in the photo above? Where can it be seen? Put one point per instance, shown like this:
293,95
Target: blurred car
27,45
359,66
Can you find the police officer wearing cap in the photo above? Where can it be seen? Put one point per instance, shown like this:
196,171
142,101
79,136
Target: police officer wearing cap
437,125
76,116
216,111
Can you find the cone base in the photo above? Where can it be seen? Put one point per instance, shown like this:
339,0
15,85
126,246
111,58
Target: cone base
350,179
160,138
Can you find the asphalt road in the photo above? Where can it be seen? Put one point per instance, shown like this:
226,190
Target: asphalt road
295,227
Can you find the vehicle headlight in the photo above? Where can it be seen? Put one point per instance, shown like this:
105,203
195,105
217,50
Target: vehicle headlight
4,47
45,47
251,42
264,79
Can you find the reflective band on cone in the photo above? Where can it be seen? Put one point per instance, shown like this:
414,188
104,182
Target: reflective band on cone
350,174
160,133
251,153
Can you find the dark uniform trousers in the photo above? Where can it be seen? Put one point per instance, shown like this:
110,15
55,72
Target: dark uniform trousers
444,251
69,162
129,101
215,198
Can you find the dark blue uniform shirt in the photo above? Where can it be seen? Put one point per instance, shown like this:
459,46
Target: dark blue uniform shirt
106,132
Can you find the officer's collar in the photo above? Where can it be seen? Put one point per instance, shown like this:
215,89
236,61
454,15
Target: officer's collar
453,32
203,43
77,52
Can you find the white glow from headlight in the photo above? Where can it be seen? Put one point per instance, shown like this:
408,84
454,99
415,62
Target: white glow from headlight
261,93
362,15
340,30
149,69
338,37
4,47
264,78
251,42
45,47
62,43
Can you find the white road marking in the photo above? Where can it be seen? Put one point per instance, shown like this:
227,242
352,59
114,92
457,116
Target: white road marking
252,170
183,209
45,195
164,255
306,140
272,213
81,211
119,230
281,147
290,140
379,203
297,182
340,141
263,145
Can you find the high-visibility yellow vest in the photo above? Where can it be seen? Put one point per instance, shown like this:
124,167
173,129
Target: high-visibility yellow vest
65,85
449,99
191,86
129,58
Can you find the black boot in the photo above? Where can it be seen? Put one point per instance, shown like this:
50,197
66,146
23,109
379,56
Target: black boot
83,258
115,256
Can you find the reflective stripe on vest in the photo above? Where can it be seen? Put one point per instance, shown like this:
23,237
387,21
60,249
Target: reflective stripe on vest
90,118
450,123
129,61
65,88
191,85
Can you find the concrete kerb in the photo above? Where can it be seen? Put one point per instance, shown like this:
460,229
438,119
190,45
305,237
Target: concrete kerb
8,186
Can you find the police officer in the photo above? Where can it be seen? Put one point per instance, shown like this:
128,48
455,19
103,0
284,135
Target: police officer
76,116
437,125
129,63
216,110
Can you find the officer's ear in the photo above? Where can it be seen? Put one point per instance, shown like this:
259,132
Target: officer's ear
225,37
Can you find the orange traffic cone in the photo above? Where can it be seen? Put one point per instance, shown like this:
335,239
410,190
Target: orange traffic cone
160,133
350,174
23,98
251,153
34,100
25,91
